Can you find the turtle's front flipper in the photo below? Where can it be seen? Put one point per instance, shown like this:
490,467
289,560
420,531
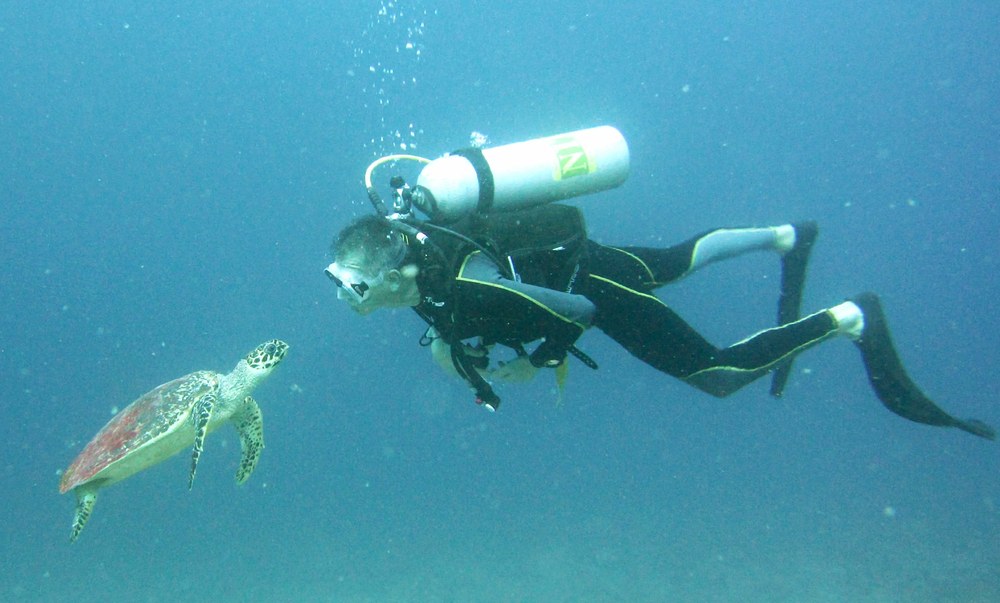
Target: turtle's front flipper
201,415
250,425
85,499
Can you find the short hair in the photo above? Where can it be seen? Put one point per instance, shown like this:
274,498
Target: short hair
373,241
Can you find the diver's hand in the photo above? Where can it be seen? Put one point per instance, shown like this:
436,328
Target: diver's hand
518,370
441,352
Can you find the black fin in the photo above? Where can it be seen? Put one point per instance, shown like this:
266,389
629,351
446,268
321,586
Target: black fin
793,281
889,379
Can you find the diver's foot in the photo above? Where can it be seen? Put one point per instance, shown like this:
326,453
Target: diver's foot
805,237
889,379
793,281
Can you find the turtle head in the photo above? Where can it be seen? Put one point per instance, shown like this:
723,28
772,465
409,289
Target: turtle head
253,369
267,355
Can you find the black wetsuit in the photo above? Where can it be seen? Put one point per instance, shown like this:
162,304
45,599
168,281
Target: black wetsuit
620,283
554,293
610,288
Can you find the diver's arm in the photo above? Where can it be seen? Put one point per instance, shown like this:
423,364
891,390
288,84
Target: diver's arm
507,310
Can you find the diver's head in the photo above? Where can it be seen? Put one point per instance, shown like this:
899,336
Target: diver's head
370,267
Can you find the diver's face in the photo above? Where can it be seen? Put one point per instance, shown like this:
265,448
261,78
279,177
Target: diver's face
366,292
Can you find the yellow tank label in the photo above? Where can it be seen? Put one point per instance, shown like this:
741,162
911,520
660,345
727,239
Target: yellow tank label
571,158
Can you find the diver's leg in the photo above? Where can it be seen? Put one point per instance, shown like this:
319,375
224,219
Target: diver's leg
793,241
860,319
647,328
889,379
655,334
752,358
662,266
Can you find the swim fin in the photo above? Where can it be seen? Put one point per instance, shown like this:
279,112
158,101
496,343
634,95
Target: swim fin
793,281
889,379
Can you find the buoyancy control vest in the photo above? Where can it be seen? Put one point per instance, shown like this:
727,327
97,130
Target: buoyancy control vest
540,245
544,246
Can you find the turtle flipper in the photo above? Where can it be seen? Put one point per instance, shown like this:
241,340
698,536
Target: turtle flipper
85,499
201,415
250,424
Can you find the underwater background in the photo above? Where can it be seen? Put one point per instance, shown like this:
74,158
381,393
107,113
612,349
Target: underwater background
173,174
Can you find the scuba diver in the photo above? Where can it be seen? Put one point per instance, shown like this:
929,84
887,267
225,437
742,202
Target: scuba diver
499,264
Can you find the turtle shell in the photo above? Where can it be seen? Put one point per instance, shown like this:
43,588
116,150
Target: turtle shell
140,425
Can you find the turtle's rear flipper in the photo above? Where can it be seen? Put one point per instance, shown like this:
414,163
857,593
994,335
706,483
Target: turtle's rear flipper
793,280
201,415
85,499
889,379
250,425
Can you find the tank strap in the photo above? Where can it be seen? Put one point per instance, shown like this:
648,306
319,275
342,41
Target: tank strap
484,174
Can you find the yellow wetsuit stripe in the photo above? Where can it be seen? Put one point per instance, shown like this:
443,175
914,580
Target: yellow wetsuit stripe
792,352
652,279
629,289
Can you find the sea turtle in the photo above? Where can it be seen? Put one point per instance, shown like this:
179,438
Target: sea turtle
169,419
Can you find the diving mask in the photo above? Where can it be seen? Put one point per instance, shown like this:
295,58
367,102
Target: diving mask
353,282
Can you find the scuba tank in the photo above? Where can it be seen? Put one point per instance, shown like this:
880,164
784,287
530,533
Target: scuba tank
522,174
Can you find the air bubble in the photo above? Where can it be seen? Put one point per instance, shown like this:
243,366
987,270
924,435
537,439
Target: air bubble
391,46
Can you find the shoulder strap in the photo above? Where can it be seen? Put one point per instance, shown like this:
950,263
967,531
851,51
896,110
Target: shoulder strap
484,174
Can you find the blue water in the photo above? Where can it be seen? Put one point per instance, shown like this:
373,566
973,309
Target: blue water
172,177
